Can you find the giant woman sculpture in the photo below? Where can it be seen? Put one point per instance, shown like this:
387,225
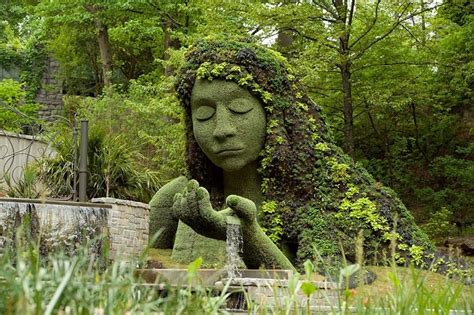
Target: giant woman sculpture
258,148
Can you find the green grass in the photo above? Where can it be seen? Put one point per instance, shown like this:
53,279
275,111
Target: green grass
84,285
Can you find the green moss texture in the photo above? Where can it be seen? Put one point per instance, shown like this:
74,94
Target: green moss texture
316,200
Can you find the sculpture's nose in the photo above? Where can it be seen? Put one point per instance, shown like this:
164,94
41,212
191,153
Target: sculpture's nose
224,126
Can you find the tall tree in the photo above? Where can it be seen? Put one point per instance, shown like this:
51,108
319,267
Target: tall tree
343,32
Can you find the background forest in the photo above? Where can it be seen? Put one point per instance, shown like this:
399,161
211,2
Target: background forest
394,78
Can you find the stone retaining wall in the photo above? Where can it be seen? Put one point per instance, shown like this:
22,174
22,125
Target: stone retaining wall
60,224
128,227
57,226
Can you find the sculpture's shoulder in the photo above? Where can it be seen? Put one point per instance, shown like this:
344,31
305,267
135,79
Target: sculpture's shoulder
164,196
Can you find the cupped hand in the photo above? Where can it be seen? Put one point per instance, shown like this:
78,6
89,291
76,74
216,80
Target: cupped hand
242,207
193,207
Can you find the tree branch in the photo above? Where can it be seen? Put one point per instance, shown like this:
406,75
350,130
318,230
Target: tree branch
394,26
369,28
327,7
412,35
255,31
361,112
286,28
322,18
379,38
408,63
351,12
372,123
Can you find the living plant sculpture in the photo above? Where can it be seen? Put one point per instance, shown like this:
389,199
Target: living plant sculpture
259,148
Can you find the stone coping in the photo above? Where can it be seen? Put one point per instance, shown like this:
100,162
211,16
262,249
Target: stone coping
208,276
259,282
18,135
55,202
123,202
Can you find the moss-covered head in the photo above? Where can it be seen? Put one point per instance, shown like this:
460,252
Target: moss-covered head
291,117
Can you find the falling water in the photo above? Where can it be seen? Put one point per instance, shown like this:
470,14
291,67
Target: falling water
57,226
234,247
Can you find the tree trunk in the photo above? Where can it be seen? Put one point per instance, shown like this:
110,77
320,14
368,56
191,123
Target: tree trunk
285,38
348,108
105,53
104,46
166,24
344,19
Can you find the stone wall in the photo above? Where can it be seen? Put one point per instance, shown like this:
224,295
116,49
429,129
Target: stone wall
56,225
50,95
64,224
128,227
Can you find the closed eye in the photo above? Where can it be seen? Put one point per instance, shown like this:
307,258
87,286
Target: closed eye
240,111
240,106
203,113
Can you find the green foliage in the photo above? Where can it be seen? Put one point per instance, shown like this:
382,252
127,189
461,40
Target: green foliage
28,185
11,92
269,213
412,93
363,208
80,285
112,167
309,183
439,225
14,113
21,47
126,159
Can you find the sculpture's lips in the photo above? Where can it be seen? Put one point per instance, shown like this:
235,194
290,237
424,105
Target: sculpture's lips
226,152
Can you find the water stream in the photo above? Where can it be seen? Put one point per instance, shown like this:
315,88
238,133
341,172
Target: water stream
234,246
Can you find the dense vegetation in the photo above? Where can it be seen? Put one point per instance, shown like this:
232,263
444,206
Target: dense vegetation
82,285
393,78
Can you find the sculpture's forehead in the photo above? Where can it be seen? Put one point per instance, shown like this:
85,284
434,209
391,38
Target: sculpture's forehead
217,89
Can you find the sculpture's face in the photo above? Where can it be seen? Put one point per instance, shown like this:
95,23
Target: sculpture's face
228,123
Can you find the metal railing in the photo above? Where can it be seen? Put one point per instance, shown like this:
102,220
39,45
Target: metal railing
33,141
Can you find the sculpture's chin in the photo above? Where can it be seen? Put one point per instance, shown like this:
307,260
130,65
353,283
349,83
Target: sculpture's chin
231,167
232,164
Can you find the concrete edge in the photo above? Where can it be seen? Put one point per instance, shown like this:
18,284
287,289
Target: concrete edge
114,201
55,202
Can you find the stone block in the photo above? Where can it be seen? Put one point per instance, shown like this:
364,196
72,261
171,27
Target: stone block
128,223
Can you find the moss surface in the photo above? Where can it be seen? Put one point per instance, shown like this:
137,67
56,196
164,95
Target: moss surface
308,182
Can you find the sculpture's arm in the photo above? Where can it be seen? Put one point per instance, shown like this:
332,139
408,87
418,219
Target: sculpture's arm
162,219
258,248
193,207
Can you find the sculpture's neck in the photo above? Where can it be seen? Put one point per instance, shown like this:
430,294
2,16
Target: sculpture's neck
245,182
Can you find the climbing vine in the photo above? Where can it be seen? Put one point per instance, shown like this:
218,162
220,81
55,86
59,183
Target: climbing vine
19,95
32,68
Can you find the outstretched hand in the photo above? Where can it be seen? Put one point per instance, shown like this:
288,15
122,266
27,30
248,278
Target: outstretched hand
193,207
258,248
